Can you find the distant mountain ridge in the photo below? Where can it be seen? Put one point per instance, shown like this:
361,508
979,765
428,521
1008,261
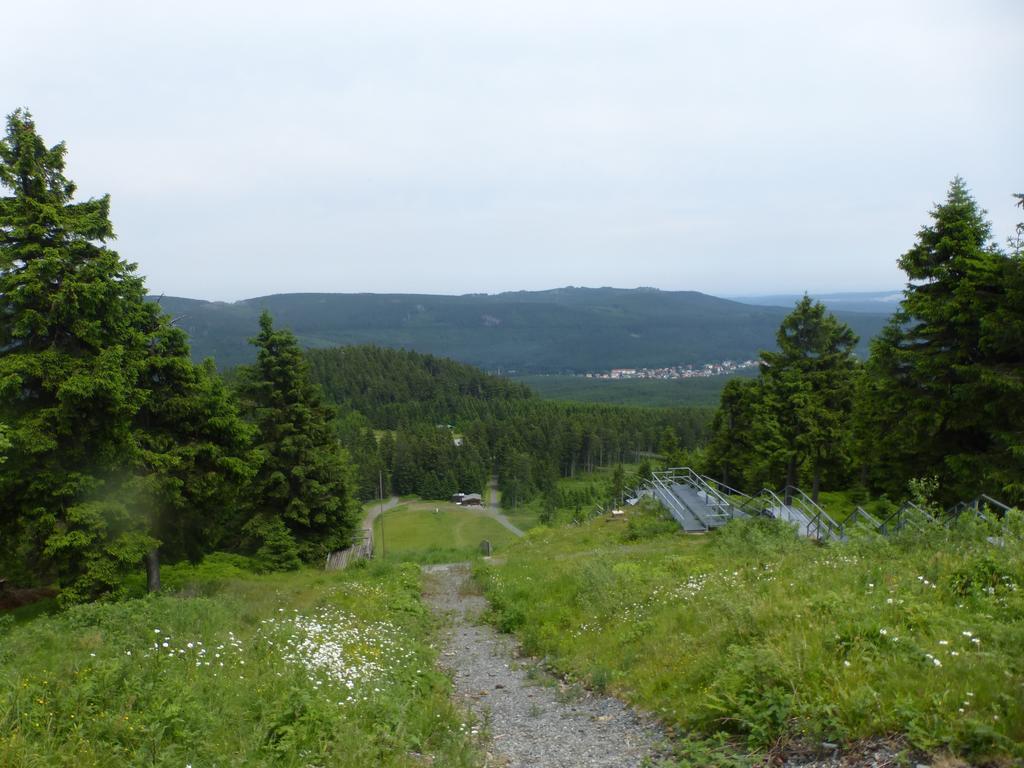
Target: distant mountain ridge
555,331
872,302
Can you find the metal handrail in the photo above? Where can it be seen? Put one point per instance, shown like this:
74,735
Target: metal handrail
675,504
816,515
720,503
976,506
729,491
712,498
903,518
994,502
860,512
785,510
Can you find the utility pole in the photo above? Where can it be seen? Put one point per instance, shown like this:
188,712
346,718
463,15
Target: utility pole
380,482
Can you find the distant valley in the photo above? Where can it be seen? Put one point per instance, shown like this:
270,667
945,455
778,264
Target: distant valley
565,330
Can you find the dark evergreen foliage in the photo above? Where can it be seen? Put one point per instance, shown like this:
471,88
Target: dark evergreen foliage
118,441
795,417
305,478
942,395
808,395
427,405
949,366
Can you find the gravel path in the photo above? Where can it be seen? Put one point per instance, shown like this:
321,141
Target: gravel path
375,512
533,720
493,510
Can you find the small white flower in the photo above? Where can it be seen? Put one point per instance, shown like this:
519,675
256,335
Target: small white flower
883,631
936,662
943,642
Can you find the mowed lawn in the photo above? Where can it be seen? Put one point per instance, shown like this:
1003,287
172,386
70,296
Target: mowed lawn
431,530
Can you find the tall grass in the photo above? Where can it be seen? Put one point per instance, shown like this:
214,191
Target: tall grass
754,633
286,670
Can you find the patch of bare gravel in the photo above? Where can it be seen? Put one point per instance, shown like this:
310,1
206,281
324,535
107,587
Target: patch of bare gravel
533,720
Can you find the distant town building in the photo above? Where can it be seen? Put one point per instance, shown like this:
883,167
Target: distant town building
724,368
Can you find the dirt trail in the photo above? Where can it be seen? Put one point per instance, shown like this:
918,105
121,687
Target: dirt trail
378,508
533,720
493,510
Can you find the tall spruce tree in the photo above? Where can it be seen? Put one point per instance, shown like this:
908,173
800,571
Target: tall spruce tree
72,335
305,488
1002,376
117,439
808,393
951,358
735,451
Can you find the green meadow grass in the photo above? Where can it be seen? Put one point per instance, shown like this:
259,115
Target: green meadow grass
752,635
232,669
431,531
594,484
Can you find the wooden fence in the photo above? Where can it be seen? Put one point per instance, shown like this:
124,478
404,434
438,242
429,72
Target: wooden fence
363,548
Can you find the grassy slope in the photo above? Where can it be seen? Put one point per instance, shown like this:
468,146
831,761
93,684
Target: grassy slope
414,531
754,633
591,488
96,686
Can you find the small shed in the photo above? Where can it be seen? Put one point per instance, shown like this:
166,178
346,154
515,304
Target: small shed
472,500
457,498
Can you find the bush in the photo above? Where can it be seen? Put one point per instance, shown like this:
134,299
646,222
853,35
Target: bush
275,548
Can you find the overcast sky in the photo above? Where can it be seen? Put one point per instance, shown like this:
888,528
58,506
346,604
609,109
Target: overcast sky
462,146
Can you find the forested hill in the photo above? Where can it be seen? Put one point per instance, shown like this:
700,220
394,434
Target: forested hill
400,387
502,427
561,330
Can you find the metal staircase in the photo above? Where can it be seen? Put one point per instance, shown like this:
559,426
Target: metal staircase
699,503
692,499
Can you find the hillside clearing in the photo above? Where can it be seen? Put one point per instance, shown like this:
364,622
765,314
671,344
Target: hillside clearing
436,531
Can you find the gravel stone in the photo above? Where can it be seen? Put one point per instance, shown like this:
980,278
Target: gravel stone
533,719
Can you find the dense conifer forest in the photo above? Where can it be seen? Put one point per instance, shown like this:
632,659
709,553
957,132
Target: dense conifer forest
434,427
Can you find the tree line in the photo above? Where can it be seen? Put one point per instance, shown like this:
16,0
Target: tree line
117,449
941,395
